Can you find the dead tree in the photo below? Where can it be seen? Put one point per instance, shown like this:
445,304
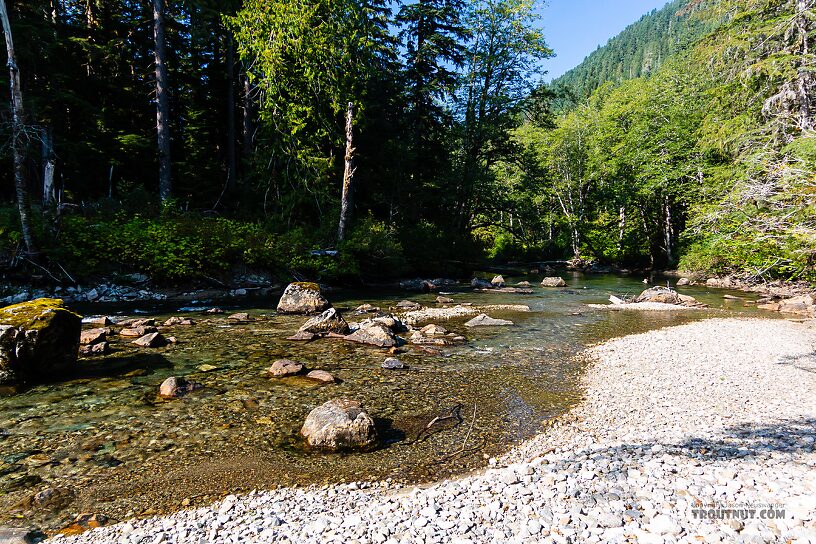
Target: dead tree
348,176
49,165
18,134
162,103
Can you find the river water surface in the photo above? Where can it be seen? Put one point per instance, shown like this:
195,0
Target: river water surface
103,442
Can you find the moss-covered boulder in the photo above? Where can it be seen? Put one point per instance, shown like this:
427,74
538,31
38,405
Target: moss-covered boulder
302,298
39,340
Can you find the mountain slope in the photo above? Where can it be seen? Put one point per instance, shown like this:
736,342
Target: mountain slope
637,51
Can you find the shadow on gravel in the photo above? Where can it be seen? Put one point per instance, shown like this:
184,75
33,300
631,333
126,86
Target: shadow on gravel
806,363
749,440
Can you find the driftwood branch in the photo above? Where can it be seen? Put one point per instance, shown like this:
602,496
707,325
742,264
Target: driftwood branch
455,413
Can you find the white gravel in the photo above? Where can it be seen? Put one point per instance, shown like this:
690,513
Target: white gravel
719,412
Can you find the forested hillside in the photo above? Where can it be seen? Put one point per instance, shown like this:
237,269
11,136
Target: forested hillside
708,164
189,139
637,51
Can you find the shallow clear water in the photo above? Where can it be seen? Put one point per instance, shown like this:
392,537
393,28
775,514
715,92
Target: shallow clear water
107,444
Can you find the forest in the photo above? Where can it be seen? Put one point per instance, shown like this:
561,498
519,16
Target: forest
185,139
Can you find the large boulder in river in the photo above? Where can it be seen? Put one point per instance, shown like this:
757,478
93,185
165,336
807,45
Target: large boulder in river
339,424
39,340
329,321
302,298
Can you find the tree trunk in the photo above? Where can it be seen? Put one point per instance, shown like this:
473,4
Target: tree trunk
17,138
49,162
248,120
348,176
162,103
621,230
231,159
668,231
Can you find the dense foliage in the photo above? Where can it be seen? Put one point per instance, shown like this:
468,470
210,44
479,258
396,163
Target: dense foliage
686,141
708,163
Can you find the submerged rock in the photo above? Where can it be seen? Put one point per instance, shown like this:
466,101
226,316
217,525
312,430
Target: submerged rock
374,333
484,320
321,376
393,364
95,349
174,387
553,282
38,340
329,321
339,424
302,298
284,367
444,300
84,522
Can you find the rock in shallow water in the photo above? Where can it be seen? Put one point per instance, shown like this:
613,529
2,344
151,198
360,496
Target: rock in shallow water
152,340
553,282
393,364
321,376
174,387
38,339
329,321
284,367
374,333
339,424
484,320
302,298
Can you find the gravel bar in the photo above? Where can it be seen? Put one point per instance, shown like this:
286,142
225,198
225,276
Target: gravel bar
714,419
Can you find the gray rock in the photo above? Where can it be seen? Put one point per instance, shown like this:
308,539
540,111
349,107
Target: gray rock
175,386
484,320
330,321
284,367
302,298
339,424
393,364
152,340
479,283
374,333
553,282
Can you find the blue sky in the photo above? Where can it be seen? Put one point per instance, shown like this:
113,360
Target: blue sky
574,28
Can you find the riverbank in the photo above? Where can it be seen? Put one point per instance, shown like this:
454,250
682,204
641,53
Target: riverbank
716,412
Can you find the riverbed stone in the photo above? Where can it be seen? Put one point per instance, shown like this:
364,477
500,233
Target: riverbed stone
177,320
479,283
284,367
484,320
321,376
302,298
374,333
94,336
339,424
38,340
498,281
444,300
330,321
175,386
152,340
392,363
553,282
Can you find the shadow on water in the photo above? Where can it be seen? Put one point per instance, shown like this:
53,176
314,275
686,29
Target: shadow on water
117,367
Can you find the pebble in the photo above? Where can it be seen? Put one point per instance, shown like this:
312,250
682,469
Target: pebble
702,411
